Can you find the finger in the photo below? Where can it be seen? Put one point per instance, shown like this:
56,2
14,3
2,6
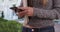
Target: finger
23,13
24,8
21,8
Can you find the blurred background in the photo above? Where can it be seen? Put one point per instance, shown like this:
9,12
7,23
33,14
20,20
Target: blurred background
9,21
5,8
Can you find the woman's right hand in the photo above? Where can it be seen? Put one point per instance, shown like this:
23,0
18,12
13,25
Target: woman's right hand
21,14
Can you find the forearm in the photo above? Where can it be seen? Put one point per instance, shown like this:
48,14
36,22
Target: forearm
42,13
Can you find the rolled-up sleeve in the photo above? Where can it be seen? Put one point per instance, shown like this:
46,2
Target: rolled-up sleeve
50,14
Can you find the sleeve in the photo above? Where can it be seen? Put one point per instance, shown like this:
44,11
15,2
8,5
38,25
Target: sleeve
50,14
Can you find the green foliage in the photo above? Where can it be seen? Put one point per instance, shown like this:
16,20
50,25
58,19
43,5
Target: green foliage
9,26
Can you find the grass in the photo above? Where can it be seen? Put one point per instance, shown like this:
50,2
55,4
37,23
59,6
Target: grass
10,26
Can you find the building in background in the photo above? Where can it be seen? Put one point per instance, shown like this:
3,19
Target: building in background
5,7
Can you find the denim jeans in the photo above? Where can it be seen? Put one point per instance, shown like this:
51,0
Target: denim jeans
47,29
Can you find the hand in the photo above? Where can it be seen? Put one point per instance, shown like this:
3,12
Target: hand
27,11
21,14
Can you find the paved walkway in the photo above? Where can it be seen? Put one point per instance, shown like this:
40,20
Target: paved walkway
57,27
